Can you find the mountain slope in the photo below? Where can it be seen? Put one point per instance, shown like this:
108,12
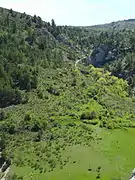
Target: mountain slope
124,24
25,43
53,108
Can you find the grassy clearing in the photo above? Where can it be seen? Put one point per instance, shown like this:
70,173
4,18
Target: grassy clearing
109,156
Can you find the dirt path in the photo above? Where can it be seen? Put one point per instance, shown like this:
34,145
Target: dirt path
77,62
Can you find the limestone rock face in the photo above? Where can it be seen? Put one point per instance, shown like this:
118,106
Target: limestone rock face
101,55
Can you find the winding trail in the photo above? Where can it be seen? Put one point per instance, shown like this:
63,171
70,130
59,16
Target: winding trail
83,57
79,60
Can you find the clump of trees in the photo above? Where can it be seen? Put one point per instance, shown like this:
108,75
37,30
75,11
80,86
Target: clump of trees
88,115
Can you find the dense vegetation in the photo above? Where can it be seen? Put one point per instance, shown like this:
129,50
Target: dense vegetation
52,105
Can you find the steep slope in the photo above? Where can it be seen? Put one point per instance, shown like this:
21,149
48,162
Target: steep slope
25,43
31,41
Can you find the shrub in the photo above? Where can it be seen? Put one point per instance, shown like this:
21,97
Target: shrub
53,91
9,97
93,122
71,124
28,116
52,163
110,126
18,160
2,115
88,115
99,168
40,94
98,176
8,127
12,176
89,169
33,123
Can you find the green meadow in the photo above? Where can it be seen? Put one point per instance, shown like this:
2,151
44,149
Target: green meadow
109,157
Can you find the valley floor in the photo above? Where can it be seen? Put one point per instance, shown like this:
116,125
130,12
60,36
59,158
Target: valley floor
109,157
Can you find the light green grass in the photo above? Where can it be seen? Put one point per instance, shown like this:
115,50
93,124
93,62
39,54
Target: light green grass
115,153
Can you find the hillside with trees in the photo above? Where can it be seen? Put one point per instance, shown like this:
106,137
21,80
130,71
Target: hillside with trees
61,117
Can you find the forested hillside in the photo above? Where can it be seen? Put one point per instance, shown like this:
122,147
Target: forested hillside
111,46
25,44
26,40
58,111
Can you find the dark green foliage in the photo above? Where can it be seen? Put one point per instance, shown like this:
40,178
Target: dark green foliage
98,176
92,122
9,97
53,91
2,141
25,78
33,123
88,115
2,115
89,169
